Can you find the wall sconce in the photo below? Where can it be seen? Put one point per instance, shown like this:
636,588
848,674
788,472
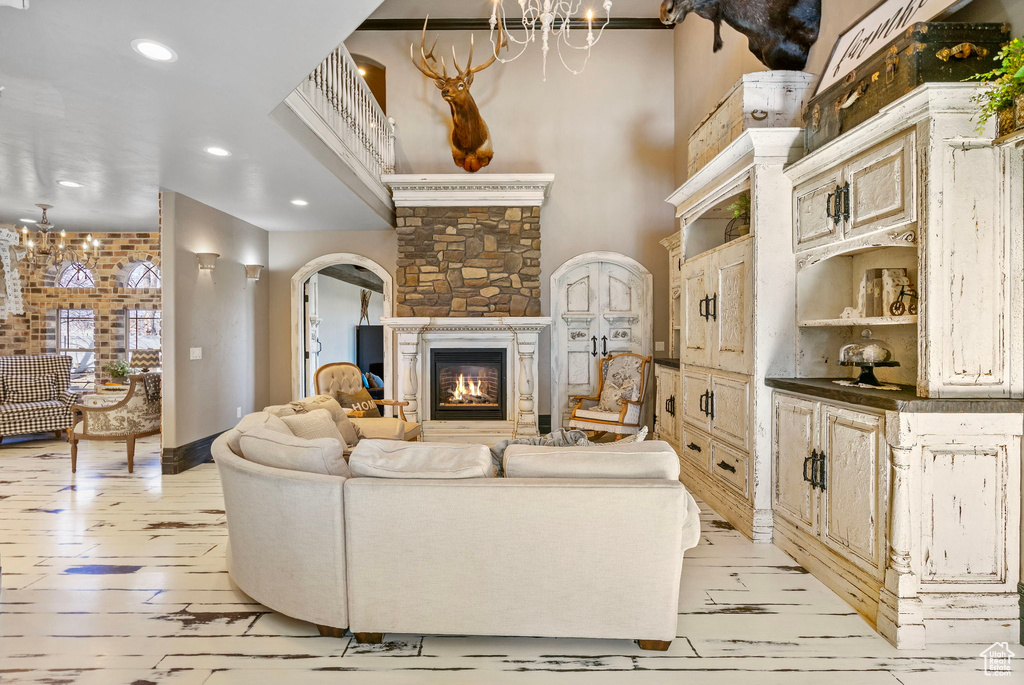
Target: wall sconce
252,271
207,260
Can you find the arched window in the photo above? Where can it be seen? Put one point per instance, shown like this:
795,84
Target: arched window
143,275
75,275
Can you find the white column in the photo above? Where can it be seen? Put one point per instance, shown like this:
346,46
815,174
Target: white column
900,617
409,349
526,348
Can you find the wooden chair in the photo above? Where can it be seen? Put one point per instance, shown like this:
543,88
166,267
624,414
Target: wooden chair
130,418
618,406
346,377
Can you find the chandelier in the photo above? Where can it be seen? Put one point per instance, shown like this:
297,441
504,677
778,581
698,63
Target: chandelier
47,248
554,20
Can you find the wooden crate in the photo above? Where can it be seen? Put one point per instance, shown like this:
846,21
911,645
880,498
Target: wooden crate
764,99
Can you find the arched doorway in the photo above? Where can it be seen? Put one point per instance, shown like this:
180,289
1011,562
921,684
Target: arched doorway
601,303
304,321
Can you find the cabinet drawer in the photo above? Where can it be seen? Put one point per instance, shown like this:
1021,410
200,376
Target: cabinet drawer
696,387
881,187
696,447
730,466
730,404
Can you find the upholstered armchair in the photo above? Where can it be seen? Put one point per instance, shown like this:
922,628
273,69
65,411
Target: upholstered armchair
344,378
34,395
618,406
135,416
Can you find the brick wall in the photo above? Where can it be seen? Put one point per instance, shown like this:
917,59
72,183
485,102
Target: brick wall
35,332
468,261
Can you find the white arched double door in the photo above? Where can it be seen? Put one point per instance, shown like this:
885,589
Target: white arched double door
601,304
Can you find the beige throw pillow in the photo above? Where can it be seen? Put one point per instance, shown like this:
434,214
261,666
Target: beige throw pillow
395,459
307,404
323,455
313,425
251,422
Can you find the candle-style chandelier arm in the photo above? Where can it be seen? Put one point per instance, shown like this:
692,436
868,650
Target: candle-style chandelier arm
554,19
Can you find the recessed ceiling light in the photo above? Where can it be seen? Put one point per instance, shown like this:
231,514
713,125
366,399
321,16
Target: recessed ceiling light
218,151
150,49
299,203
70,184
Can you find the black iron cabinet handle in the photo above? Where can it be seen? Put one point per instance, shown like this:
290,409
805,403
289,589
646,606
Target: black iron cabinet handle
727,466
604,345
593,339
713,307
693,446
822,475
810,459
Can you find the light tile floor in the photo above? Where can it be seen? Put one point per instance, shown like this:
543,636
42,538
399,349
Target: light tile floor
114,578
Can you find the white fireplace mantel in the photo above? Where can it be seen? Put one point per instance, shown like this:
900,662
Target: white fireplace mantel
517,336
462,190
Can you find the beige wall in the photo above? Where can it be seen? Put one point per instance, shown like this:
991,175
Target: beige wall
220,311
289,252
606,134
703,77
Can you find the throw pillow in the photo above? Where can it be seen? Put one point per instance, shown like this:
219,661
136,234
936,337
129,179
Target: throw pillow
360,402
269,448
612,395
640,460
251,422
338,415
313,425
394,459
19,389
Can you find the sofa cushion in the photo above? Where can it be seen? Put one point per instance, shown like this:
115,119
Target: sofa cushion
250,422
397,459
270,448
653,459
386,428
45,408
313,425
18,389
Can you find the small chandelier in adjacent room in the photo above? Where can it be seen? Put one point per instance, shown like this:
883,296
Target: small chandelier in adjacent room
47,248
554,19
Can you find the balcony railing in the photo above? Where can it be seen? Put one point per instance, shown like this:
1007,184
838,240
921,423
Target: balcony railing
335,103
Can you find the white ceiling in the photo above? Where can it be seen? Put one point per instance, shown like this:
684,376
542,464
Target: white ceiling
396,9
467,9
79,104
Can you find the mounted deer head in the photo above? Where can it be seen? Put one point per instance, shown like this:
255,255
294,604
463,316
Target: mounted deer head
779,33
471,141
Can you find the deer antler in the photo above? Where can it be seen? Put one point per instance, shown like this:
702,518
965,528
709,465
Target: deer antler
429,70
470,69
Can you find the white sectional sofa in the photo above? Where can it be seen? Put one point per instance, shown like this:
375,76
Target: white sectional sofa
573,542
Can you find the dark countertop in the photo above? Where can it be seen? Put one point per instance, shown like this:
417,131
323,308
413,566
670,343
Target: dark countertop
905,399
667,361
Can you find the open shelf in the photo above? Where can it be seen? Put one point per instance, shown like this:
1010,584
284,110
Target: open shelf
707,231
861,321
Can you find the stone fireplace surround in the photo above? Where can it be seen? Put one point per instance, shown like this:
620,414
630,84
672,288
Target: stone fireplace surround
469,305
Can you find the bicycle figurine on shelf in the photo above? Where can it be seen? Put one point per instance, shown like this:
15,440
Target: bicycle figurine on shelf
898,307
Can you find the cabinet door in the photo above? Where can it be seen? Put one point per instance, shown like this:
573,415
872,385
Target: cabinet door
729,466
882,184
793,437
812,202
730,410
696,388
855,493
732,322
667,408
696,329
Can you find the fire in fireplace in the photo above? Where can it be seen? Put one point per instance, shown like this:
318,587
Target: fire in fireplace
467,384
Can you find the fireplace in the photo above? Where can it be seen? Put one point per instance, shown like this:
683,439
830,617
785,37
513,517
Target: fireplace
467,384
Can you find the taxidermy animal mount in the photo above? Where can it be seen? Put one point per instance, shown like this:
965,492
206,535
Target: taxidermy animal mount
780,33
471,141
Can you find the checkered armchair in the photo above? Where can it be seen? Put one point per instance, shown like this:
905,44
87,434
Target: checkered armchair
618,406
34,394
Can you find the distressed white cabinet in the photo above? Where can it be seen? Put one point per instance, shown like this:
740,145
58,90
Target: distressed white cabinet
667,406
675,292
794,431
725,459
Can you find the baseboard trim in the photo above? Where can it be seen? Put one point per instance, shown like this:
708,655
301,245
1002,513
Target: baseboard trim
175,460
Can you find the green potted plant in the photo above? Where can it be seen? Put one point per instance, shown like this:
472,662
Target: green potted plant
1004,97
740,224
118,370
